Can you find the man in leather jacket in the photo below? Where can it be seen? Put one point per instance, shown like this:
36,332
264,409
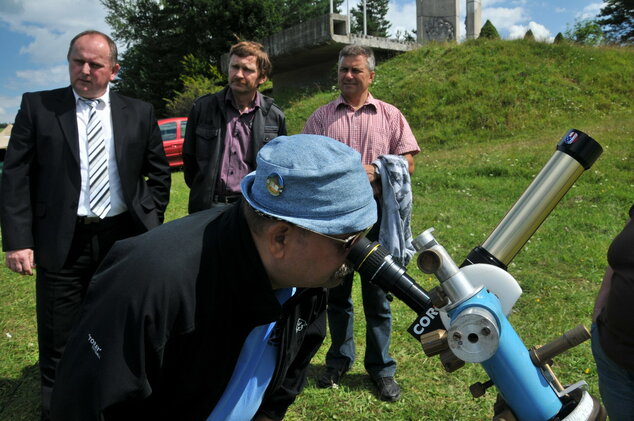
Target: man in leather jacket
225,130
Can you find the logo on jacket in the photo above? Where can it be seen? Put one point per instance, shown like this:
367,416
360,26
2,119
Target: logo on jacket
95,347
301,325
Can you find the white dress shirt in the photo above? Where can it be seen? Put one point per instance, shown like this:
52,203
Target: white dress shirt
117,204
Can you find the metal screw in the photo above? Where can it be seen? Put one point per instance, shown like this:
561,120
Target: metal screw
457,336
485,331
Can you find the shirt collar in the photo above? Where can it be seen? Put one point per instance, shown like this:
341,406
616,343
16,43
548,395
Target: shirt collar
369,101
105,98
230,101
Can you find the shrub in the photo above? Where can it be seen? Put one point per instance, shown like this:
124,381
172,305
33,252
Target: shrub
488,31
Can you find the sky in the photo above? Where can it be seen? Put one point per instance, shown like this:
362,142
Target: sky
34,34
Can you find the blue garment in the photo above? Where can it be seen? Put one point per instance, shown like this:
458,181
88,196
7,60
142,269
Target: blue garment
378,319
616,384
252,374
395,233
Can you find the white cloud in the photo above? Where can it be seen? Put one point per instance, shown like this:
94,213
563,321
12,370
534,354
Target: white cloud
402,17
540,32
504,18
590,11
56,75
8,105
52,24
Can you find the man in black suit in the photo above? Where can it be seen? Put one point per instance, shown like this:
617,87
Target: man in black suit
85,167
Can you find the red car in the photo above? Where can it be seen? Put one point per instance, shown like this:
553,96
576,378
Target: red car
173,134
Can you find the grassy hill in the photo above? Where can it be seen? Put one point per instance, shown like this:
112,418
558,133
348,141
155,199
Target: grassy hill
484,90
487,116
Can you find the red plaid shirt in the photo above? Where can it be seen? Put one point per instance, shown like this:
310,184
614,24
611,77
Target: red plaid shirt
376,128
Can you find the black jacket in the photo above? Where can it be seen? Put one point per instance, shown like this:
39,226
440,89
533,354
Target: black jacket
165,319
204,142
41,180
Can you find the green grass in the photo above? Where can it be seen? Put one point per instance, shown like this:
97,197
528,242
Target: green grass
487,117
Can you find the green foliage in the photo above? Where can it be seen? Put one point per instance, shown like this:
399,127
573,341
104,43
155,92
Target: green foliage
489,31
406,35
198,79
299,11
528,36
376,23
158,34
586,31
478,91
617,20
559,38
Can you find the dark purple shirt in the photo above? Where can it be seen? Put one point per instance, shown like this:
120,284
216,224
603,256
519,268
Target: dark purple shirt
235,163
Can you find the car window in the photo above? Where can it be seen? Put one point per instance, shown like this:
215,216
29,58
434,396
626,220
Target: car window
183,128
168,131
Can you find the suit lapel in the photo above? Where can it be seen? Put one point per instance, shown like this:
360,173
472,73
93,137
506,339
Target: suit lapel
119,119
67,117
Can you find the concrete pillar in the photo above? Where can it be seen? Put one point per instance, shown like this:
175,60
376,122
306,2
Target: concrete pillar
437,20
474,19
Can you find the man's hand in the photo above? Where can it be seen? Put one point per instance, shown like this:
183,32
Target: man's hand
21,261
375,181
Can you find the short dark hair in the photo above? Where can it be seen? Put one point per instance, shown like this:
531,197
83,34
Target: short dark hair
256,221
358,50
111,44
250,48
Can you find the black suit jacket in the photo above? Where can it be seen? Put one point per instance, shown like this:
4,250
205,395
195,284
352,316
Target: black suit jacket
41,178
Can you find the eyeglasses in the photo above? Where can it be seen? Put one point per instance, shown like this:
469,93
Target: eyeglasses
347,242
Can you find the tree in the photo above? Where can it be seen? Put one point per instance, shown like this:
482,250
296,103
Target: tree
299,11
617,20
198,79
559,38
377,25
586,31
157,34
528,36
405,36
489,31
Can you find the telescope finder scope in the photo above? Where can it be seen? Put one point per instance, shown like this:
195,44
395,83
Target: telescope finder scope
575,152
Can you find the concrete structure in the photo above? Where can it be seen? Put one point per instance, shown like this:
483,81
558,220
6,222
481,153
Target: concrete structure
309,51
305,55
474,18
438,20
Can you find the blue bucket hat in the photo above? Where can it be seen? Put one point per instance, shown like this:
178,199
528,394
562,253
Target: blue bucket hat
314,182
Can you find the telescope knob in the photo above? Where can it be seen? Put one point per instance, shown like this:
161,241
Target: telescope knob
544,354
450,362
438,297
434,342
479,389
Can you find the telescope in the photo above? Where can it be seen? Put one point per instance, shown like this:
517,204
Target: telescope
464,318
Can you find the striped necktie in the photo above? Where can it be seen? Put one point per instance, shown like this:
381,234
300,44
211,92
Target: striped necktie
97,162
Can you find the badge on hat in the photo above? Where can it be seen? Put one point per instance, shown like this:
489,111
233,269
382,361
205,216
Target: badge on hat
275,184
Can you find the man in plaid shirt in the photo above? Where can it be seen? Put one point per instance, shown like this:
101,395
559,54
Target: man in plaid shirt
373,128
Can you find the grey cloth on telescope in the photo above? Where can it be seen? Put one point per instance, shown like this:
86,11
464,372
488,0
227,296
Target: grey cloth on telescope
395,233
